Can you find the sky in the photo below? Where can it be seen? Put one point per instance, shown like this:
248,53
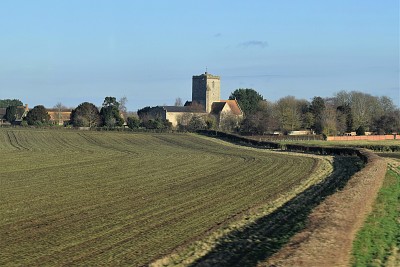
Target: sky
72,51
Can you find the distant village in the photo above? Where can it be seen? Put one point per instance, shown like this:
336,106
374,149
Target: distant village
245,112
206,110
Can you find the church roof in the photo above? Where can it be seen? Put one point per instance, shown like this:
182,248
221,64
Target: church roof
234,105
217,107
176,108
59,110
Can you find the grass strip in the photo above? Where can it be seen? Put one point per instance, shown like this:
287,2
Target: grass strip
380,235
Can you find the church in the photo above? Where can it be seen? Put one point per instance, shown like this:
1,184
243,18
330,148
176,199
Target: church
206,101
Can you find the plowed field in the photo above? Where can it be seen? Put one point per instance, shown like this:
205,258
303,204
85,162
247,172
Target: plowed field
101,198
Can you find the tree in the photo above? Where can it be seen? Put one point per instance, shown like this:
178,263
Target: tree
344,118
59,107
196,107
183,120
4,103
288,114
178,102
317,109
11,114
133,122
247,98
150,113
122,106
387,123
342,98
37,116
211,122
262,121
387,104
110,114
110,101
308,120
360,130
85,115
229,123
196,123
329,121
364,107
156,124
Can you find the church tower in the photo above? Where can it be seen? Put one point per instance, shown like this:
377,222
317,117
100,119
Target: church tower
206,89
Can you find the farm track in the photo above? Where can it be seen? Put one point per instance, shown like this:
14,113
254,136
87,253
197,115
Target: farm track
90,198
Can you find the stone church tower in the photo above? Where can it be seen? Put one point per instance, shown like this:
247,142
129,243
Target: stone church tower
206,89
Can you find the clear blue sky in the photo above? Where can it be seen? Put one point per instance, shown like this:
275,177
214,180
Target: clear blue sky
72,51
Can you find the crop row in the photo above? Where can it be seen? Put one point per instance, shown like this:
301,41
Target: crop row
72,197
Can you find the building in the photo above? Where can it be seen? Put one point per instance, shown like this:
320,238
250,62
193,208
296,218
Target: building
206,89
3,116
20,114
206,101
180,115
59,116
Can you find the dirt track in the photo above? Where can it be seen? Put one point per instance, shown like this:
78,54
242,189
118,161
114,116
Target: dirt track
331,228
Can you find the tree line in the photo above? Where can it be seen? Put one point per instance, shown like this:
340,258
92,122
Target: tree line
344,112
85,115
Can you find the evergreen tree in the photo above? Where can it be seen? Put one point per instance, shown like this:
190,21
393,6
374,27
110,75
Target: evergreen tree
110,114
37,116
11,114
248,99
4,103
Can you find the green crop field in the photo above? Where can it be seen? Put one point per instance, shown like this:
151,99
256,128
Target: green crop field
102,198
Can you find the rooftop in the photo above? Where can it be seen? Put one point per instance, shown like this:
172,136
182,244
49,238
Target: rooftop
217,107
206,74
177,108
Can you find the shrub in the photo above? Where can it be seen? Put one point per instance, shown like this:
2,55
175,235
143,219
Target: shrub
133,122
196,123
360,130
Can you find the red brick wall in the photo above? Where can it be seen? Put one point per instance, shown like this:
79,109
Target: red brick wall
363,137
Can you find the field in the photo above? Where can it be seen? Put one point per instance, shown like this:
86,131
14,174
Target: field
98,198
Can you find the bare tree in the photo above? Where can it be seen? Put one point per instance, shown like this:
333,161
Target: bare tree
196,107
329,120
288,113
122,106
59,107
387,104
363,108
342,98
184,119
262,120
228,123
178,102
